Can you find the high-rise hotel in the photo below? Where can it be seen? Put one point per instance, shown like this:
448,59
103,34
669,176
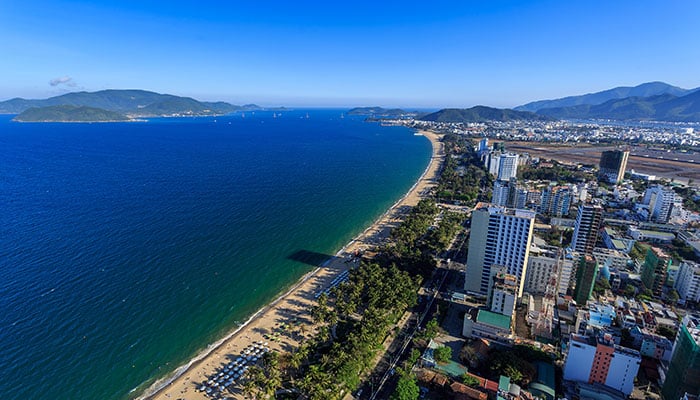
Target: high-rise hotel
499,242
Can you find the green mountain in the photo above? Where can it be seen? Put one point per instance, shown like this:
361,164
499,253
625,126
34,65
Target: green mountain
648,89
664,107
482,114
137,103
379,111
174,106
68,113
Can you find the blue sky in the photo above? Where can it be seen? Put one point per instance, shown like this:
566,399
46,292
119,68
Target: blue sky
304,53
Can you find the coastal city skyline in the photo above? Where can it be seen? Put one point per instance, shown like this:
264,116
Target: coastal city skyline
450,54
453,200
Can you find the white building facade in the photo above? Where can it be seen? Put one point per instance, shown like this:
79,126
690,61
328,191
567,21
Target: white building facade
502,237
688,281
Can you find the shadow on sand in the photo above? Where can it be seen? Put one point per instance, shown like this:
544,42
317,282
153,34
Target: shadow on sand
309,257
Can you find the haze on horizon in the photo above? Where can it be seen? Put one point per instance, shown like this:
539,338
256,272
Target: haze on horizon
394,53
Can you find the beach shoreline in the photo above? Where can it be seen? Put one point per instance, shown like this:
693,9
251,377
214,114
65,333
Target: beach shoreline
277,321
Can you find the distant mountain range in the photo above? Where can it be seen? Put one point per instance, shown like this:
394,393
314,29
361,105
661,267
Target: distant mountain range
656,101
644,90
482,114
128,104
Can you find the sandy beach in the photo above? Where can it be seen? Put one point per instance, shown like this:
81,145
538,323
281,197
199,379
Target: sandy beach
283,323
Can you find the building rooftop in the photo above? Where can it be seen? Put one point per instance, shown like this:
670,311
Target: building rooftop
656,233
619,244
496,209
692,325
493,319
659,252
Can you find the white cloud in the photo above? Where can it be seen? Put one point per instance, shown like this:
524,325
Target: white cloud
64,80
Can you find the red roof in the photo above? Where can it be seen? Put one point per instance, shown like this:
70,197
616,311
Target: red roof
471,392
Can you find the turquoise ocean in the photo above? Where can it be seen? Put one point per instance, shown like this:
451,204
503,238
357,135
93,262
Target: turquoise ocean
127,248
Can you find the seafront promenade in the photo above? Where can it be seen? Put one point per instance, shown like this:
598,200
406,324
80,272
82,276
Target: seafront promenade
284,323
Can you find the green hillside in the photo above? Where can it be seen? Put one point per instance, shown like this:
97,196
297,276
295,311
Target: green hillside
129,102
68,113
482,114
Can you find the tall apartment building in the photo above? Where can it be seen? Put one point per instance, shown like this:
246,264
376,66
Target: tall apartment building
596,359
683,375
661,200
508,166
612,166
688,281
655,270
492,161
483,145
585,278
499,196
501,237
509,194
566,276
588,221
556,200
545,264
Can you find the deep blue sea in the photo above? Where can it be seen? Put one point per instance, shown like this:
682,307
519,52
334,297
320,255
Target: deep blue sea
125,248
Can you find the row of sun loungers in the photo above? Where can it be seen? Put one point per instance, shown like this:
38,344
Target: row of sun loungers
335,282
234,371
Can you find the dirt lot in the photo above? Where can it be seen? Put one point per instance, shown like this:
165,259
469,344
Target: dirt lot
671,165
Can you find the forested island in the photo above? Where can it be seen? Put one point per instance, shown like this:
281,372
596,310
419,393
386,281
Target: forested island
114,105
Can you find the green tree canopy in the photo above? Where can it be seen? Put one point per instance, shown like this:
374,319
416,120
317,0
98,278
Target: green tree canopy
442,354
406,389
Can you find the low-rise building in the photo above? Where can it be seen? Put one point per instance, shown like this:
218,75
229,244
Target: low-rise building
644,235
657,347
615,259
487,325
596,359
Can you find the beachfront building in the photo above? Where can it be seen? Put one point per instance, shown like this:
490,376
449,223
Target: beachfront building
596,359
612,166
502,237
588,221
683,375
